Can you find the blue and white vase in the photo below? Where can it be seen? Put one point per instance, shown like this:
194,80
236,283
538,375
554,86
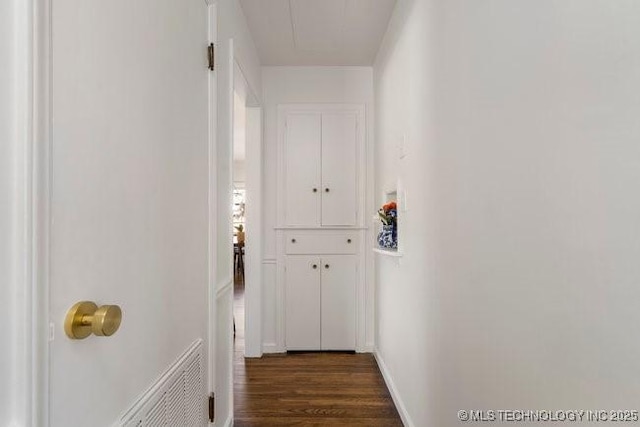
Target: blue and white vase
388,237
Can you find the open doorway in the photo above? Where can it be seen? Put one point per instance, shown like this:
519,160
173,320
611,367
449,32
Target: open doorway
239,220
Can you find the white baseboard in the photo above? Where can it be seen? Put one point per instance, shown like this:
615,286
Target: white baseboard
402,410
367,348
271,348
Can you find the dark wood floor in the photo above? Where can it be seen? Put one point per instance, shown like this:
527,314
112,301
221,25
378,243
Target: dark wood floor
307,389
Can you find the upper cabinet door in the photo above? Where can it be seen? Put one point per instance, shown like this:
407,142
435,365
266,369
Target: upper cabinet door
339,168
302,169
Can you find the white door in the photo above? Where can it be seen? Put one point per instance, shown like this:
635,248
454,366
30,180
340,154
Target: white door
302,169
129,199
302,311
338,302
339,168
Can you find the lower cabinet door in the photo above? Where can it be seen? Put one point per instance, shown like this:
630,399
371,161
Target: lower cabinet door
302,307
338,293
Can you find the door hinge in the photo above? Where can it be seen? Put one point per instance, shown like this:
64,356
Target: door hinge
211,55
212,407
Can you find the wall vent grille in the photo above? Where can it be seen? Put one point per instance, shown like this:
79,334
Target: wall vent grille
178,398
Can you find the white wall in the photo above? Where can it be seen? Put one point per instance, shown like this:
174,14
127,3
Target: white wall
520,275
232,24
301,85
406,316
239,134
239,173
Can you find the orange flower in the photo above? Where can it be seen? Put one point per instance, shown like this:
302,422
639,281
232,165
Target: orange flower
391,205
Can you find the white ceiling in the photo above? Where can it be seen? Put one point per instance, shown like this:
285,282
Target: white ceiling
317,32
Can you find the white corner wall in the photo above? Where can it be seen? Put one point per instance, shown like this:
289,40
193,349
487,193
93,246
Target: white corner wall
519,282
232,24
283,85
233,33
406,309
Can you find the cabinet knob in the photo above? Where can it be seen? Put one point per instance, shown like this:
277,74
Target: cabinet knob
326,190
293,240
314,266
348,240
326,266
315,190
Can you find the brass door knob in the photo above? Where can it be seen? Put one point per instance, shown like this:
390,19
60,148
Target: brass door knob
85,318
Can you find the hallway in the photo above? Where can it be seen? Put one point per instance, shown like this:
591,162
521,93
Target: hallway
437,201
307,389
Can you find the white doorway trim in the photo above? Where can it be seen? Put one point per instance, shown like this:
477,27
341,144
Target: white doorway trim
25,175
42,175
253,246
253,215
222,252
213,123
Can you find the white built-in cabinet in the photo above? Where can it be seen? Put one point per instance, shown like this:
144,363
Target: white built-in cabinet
321,292
320,154
321,274
320,226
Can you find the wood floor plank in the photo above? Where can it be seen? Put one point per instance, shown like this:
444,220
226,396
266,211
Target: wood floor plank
308,389
327,421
